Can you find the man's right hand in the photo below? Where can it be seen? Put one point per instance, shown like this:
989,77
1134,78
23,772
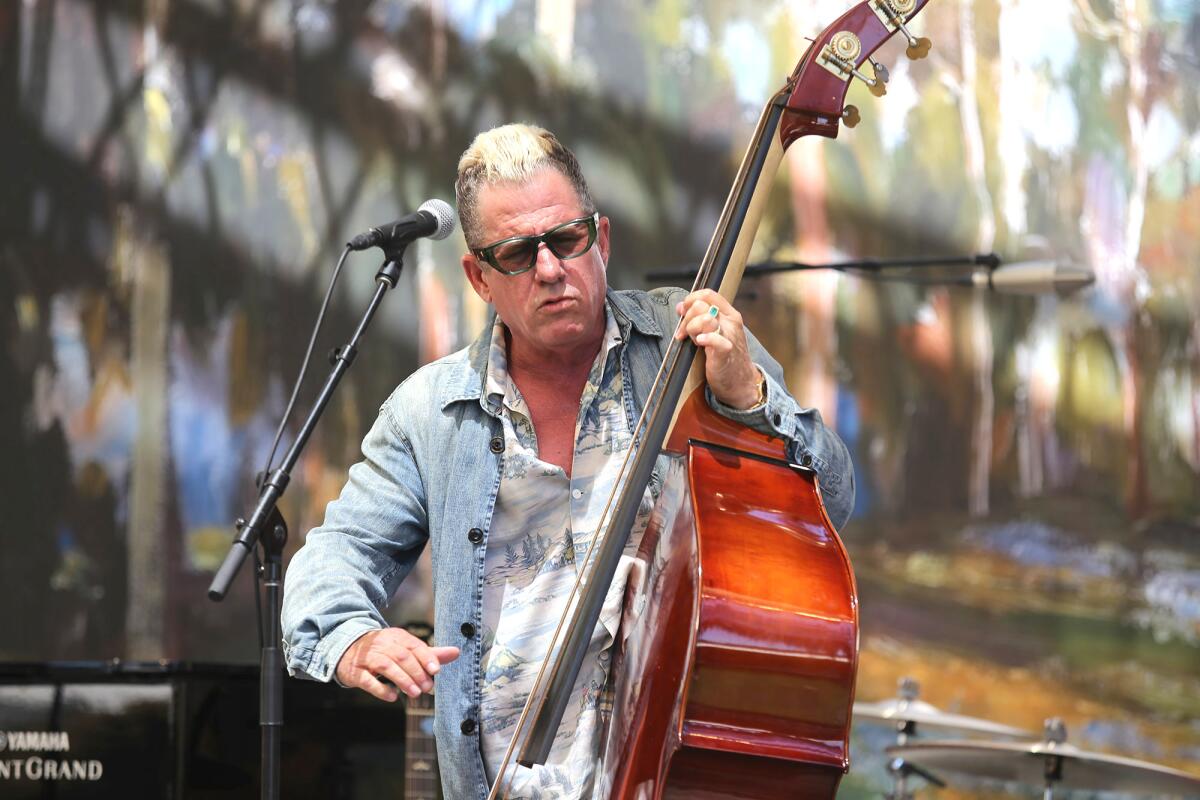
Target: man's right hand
395,655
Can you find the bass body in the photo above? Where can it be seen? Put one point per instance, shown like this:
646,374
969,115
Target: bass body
739,658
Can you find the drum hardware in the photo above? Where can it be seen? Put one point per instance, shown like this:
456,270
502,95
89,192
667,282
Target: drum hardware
1051,763
900,769
906,712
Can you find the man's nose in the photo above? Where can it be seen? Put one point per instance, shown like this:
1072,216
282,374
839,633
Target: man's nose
548,267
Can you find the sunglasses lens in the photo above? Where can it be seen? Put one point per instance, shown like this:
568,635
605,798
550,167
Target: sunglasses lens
571,240
515,256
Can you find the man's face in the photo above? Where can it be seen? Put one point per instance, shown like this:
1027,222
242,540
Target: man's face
556,308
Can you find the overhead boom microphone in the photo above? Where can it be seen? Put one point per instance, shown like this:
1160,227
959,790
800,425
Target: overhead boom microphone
435,219
988,271
1034,277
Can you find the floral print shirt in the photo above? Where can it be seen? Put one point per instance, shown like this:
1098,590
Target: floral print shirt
543,525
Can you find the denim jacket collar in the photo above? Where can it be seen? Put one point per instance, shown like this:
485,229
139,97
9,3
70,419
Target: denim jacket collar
468,384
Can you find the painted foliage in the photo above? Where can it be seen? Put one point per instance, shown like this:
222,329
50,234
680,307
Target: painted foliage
181,173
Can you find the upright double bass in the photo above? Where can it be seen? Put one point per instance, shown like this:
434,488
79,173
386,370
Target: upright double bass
736,665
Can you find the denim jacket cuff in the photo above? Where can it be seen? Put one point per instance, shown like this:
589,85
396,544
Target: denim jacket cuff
772,417
322,663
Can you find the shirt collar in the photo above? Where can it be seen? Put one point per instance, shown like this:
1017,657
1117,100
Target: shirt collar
469,383
497,387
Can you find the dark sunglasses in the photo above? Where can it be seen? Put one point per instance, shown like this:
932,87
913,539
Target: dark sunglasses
518,254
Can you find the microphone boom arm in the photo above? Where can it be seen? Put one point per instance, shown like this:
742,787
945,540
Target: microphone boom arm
988,271
873,265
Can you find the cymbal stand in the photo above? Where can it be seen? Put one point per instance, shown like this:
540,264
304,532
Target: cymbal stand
1052,767
900,769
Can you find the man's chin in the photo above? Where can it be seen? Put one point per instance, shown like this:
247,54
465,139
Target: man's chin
563,335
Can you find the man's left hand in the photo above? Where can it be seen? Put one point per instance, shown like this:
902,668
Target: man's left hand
716,327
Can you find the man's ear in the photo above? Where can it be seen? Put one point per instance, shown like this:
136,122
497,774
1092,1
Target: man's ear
602,240
475,274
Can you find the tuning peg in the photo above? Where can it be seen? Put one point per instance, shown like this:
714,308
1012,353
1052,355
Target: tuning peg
851,116
881,72
879,85
840,55
919,48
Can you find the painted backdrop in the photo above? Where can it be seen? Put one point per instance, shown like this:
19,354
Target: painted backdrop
179,176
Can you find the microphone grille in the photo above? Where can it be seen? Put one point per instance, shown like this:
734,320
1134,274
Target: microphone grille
444,214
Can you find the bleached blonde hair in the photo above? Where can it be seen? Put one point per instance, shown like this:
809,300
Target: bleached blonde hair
511,154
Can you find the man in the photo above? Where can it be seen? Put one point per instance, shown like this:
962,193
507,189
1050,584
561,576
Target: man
502,457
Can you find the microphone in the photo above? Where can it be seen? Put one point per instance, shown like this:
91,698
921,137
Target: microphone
435,219
1034,277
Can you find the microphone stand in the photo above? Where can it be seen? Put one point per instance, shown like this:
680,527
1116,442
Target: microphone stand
267,527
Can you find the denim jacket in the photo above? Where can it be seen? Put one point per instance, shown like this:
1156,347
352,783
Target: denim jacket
430,472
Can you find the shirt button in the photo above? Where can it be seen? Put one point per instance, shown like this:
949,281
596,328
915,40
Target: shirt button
468,630
806,460
475,536
497,444
778,420
577,493
468,726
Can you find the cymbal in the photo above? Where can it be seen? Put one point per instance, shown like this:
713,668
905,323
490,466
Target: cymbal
926,715
1048,763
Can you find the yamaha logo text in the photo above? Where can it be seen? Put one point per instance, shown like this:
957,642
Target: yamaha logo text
42,768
